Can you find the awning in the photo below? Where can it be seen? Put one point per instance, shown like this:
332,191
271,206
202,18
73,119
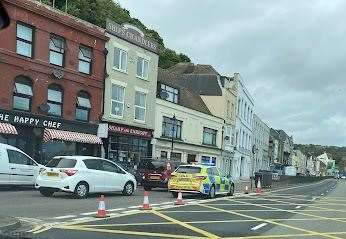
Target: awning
6,128
52,134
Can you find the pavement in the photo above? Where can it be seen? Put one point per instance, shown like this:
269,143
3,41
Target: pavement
8,223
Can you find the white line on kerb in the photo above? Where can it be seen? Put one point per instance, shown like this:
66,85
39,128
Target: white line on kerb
64,217
115,209
298,207
134,207
258,226
88,213
82,218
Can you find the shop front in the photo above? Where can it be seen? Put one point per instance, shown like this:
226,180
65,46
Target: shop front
44,137
128,145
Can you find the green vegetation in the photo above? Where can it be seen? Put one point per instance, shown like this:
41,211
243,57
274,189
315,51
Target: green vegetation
337,153
97,11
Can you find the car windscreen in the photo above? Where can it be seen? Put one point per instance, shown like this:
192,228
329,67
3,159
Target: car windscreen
61,163
188,169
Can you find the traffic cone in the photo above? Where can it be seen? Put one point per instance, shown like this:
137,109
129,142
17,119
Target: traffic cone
101,211
146,205
246,189
259,188
179,200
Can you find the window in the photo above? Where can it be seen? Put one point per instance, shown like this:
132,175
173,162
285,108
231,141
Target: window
117,102
188,169
93,164
61,163
169,93
142,68
140,99
228,109
120,59
56,50
54,100
191,158
209,136
83,106
25,38
17,157
171,128
22,93
109,167
232,110
175,156
164,154
85,60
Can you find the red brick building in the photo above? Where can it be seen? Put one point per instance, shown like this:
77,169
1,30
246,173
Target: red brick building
51,81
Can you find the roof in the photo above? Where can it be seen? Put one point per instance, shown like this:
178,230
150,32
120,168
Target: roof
187,98
77,157
190,68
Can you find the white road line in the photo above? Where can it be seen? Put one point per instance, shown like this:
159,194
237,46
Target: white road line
322,194
82,219
313,199
131,211
64,217
298,207
164,203
155,204
258,226
134,207
88,213
116,209
164,207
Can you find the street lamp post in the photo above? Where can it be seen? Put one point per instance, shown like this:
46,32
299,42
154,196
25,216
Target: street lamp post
174,122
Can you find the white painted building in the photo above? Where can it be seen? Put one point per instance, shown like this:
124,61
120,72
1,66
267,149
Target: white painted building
260,142
241,166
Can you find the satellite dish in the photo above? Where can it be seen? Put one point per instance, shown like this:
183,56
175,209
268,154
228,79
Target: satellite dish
164,95
58,73
44,107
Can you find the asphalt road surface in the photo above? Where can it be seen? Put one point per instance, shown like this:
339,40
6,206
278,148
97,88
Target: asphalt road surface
305,211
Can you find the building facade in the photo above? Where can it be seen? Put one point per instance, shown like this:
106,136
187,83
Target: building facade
129,97
260,144
52,74
299,161
245,110
185,129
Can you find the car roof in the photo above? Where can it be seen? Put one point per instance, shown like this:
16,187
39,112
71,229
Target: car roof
197,166
78,157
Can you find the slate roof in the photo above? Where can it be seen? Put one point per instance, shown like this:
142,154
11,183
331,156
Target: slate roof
187,98
190,68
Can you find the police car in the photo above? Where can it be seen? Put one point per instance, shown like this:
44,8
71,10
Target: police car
200,179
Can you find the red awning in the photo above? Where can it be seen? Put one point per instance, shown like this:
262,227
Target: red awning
6,128
51,134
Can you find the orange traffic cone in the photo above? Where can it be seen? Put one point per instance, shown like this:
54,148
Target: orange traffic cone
246,189
179,200
101,212
146,205
259,188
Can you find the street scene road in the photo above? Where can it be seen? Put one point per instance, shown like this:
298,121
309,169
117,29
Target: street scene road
306,211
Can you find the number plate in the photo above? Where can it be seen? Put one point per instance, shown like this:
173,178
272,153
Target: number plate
155,177
52,174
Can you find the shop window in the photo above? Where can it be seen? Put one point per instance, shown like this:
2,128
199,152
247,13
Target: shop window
209,136
164,154
25,40
83,106
54,100
140,106
142,68
206,160
56,50
171,128
117,101
120,59
22,93
169,93
191,158
85,60
175,156
16,157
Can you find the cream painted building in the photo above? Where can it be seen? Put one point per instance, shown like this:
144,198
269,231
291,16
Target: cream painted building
260,145
181,114
299,161
129,97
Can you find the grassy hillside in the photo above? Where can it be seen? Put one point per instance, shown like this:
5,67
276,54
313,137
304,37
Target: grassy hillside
97,11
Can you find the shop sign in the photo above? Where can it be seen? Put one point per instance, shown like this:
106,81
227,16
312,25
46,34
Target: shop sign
29,121
130,131
131,34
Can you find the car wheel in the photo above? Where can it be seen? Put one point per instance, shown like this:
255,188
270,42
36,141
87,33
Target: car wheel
81,190
231,190
128,189
46,192
212,192
175,194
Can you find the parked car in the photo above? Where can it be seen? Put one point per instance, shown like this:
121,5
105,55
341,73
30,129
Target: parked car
16,167
200,179
157,173
82,175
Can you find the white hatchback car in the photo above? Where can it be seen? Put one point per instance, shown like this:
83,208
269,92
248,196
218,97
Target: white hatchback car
82,175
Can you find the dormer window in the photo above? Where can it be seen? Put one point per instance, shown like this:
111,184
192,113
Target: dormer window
169,93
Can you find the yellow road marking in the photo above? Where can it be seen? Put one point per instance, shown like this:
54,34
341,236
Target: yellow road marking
192,228
287,235
268,221
151,234
283,210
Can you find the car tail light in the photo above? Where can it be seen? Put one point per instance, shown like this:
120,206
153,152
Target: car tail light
201,177
70,172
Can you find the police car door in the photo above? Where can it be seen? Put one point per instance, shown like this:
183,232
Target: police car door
217,180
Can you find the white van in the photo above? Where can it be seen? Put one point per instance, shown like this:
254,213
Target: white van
16,167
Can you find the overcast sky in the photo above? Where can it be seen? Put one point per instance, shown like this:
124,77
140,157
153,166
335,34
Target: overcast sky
291,54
